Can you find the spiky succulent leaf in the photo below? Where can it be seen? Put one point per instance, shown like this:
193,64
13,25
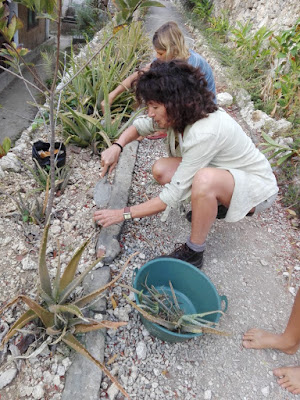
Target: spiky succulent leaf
76,282
203,329
167,324
72,342
87,299
70,271
45,316
95,326
69,308
28,316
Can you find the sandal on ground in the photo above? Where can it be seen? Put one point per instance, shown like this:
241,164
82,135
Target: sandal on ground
154,137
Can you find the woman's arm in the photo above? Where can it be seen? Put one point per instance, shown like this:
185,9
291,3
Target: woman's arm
110,156
125,85
107,217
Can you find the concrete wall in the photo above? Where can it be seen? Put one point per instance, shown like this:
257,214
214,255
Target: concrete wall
31,37
276,14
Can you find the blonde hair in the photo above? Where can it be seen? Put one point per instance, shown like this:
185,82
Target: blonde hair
170,39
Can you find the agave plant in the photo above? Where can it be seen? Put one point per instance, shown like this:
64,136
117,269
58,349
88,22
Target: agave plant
61,315
80,111
160,308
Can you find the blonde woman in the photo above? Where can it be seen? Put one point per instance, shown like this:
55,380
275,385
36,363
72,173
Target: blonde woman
169,43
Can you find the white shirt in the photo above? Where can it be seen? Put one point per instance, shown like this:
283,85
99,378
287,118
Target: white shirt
217,141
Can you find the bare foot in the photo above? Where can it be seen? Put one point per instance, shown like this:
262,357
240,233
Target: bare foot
289,378
260,339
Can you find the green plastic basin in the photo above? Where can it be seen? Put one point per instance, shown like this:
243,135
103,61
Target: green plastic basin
194,290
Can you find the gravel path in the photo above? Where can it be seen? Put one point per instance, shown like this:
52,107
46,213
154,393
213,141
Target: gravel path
254,262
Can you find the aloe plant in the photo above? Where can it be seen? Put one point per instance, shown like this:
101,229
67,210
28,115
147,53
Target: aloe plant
158,307
61,315
80,112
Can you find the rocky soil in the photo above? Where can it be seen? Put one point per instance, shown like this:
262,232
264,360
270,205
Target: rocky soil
255,262
147,367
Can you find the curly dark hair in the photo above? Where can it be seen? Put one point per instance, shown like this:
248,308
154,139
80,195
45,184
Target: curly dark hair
181,88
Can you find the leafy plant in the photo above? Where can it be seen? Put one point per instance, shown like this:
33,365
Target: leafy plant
219,25
61,313
158,307
126,9
42,175
5,147
80,112
31,211
202,8
52,10
90,18
282,85
252,45
284,151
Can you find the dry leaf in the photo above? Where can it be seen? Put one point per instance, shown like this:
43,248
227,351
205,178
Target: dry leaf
113,301
112,359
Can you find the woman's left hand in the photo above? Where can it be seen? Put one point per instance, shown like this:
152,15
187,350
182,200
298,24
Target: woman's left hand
106,217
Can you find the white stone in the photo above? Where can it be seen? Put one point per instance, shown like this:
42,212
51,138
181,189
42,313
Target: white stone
242,98
27,390
56,380
10,163
112,392
224,99
122,313
38,392
2,174
55,229
61,370
7,377
141,351
28,264
207,395
47,377
265,391
292,290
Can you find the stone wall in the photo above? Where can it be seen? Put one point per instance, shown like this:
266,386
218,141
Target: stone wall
276,14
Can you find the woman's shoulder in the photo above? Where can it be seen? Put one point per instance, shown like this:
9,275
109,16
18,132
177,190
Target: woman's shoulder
196,57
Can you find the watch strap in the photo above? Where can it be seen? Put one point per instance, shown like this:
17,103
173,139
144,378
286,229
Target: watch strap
127,213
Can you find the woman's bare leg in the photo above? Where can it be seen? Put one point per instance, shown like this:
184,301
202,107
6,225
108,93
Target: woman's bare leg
210,186
164,169
287,342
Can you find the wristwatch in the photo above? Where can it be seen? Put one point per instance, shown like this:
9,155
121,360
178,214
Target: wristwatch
127,213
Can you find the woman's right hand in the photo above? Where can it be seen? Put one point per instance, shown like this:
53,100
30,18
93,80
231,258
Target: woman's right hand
111,98
109,159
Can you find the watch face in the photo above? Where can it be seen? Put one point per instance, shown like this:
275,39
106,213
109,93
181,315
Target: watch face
127,216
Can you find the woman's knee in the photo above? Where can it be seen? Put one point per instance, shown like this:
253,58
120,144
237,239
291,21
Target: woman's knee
203,182
213,183
164,169
158,171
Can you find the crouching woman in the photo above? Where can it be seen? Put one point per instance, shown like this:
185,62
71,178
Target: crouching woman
211,159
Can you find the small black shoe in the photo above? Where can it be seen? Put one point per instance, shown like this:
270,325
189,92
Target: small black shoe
222,211
184,253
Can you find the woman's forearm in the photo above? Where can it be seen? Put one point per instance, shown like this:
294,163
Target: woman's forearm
109,217
125,85
150,207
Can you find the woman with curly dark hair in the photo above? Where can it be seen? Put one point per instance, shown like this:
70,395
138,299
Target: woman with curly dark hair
211,159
